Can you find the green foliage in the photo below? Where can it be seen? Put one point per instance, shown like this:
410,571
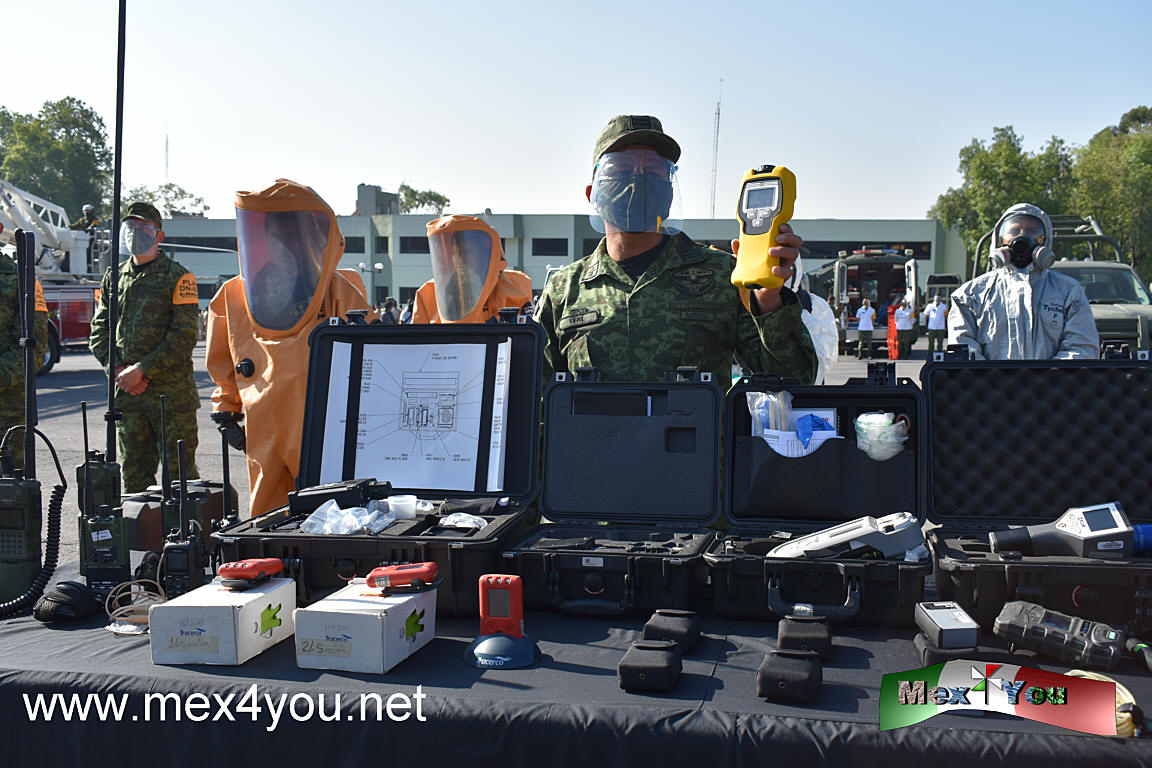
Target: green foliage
1114,185
61,153
171,199
1000,174
421,201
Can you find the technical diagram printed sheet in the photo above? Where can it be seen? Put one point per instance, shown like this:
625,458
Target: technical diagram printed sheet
419,418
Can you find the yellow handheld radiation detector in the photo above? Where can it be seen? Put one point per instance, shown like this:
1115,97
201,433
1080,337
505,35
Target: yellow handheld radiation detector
767,196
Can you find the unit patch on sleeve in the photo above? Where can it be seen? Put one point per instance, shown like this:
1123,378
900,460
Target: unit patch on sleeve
186,292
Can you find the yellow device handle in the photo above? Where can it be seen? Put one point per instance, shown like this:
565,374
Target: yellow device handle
767,198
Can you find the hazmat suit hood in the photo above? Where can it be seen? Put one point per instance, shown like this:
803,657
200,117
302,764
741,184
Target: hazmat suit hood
467,260
289,245
1042,254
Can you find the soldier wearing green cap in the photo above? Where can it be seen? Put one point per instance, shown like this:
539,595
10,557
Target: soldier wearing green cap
648,299
158,326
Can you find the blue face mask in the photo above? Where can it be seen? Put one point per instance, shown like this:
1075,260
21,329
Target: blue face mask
639,203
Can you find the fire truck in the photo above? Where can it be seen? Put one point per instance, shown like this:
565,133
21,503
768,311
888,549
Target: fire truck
68,264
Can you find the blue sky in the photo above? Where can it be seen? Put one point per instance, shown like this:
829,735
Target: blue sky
498,105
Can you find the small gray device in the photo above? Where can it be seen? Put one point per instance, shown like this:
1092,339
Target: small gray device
946,625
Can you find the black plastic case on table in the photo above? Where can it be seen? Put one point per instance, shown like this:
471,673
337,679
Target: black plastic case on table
324,562
766,492
630,486
1018,443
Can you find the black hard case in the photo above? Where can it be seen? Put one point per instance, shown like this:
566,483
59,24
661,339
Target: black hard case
325,562
1020,442
631,484
766,492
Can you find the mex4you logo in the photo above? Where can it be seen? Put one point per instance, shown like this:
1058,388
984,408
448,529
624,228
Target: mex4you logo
1075,703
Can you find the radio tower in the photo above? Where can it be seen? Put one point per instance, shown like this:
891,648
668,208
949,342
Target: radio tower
715,152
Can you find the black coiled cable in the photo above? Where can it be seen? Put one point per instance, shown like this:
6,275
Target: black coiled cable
51,547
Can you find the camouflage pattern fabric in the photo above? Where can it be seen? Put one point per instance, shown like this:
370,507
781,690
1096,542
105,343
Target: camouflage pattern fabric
158,328
12,356
683,310
865,349
138,440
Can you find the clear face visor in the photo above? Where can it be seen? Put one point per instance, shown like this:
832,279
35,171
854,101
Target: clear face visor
1021,224
635,190
281,260
137,237
460,264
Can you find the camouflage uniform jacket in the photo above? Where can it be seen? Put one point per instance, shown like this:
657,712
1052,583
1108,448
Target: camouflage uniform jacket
11,354
683,310
157,329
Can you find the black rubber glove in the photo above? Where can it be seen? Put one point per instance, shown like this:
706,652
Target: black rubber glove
234,434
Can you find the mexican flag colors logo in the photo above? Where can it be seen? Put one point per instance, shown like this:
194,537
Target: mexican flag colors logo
911,697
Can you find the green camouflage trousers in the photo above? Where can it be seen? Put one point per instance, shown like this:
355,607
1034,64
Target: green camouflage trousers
138,440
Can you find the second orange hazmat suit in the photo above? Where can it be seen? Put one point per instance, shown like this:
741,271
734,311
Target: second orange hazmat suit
258,326
469,281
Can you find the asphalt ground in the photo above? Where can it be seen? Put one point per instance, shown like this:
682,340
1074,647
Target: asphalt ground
78,377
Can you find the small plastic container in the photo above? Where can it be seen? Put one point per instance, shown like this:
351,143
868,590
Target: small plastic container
403,507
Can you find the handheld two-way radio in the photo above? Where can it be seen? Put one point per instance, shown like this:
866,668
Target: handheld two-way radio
416,577
767,197
22,575
183,557
169,506
104,557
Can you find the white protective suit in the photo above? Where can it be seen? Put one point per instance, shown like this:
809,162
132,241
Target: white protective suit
1023,313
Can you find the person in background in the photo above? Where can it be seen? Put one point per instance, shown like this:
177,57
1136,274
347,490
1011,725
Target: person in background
865,317
937,314
1021,309
904,329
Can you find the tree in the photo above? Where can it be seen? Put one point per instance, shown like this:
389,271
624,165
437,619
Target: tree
1114,175
171,199
61,153
1000,174
421,201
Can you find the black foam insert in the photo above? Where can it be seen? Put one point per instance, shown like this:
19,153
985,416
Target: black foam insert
1028,441
637,453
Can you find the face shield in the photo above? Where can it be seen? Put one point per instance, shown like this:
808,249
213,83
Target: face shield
635,190
137,237
461,261
282,256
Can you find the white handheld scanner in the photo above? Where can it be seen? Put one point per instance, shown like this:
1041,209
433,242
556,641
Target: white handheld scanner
1099,531
891,536
767,198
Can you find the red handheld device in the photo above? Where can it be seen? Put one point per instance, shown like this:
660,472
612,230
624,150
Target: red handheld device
416,575
501,605
248,573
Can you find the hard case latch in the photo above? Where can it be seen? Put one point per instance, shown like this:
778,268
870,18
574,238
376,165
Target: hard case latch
688,373
882,374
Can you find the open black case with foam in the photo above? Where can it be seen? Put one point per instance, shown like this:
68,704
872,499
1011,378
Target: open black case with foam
630,486
448,413
769,497
1020,442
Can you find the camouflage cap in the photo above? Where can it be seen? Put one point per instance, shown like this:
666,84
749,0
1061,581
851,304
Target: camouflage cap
623,130
142,210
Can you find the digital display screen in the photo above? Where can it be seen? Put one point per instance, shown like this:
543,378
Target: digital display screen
499,603
11,519
1099,519
1055,621
761,197
176,560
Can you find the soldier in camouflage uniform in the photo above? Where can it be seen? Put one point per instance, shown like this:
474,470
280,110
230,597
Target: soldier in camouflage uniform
12,355
646,301
156,332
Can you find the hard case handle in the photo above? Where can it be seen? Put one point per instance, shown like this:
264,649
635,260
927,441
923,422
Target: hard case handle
834,613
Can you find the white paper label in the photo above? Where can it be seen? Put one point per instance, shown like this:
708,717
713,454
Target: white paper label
101,535
339,649
1110,545
592,562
